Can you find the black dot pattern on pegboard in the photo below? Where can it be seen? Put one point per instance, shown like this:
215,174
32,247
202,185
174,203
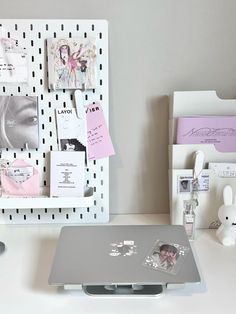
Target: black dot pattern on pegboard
34,36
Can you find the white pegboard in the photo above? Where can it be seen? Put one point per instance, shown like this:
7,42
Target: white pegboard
32,34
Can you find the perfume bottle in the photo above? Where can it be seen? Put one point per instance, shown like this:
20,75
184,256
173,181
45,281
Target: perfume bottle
189,218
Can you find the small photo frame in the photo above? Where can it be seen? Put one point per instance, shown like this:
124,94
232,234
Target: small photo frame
167,257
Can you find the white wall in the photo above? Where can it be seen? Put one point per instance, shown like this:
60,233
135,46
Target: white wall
156,47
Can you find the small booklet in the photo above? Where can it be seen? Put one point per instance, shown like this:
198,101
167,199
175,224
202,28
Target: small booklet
67,177
72,63
71,131
19,122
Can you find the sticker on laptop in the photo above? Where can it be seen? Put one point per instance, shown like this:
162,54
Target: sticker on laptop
124,248
167,257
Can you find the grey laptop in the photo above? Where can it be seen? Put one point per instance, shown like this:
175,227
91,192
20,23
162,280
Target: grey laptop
112,259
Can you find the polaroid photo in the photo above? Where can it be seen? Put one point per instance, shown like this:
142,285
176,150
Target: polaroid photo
167,257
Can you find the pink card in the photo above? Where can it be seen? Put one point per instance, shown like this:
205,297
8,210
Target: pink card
99,141
217,130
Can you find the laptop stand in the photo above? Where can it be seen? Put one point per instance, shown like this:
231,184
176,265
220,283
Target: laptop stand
123,290
85,261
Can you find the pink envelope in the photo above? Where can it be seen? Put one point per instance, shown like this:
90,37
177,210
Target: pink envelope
12,188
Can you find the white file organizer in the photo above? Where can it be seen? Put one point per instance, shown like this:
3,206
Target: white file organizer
181,157
94,206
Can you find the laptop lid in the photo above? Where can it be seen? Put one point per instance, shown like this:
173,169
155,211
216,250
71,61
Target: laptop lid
106,255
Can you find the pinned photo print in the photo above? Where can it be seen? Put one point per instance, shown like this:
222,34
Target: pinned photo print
167,257
19,122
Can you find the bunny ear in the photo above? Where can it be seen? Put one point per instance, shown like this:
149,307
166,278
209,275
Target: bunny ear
228,195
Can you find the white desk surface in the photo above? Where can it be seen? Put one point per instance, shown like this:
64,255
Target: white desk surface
25,267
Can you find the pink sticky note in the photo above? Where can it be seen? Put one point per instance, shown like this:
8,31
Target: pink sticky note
99,140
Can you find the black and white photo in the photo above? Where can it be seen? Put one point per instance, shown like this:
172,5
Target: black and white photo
184,186
19,122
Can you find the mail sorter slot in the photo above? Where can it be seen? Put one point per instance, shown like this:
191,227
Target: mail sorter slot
182,155
197,103
192,103
209,201
172,130
48,202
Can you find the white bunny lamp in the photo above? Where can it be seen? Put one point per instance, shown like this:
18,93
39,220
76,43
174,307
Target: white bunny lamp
227,215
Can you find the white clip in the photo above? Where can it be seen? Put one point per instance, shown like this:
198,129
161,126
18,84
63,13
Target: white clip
197,173
79,103
52,86
198,165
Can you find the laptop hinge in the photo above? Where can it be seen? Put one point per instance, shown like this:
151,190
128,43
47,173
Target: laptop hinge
73,287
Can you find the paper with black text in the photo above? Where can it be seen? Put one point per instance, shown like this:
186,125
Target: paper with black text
67,177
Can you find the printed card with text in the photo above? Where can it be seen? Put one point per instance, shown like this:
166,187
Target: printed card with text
99,141
13,61
71,130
